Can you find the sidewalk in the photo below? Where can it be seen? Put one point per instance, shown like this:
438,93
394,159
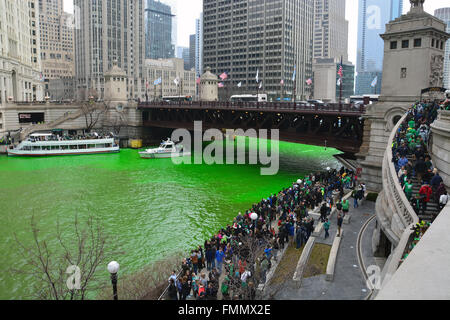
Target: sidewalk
348,283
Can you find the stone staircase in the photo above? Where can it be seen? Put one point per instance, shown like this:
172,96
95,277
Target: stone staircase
53,124
432,206
50,125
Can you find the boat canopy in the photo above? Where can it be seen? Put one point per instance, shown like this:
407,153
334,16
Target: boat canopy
41,135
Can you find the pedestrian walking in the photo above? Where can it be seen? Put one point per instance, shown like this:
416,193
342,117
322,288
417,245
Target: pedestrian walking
326,227
340,219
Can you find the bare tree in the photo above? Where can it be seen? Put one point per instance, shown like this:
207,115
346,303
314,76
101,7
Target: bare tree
92,112
249,249
52,264
117,123
147,283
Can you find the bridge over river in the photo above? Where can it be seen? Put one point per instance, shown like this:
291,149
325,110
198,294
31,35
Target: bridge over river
339,126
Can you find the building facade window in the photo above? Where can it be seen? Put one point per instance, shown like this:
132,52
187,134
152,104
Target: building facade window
393,45
405,44
403,73
417,43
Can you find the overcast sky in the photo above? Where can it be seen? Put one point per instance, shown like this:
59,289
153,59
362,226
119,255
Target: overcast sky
189,10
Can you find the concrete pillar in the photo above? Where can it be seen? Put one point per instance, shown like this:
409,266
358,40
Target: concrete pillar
440,145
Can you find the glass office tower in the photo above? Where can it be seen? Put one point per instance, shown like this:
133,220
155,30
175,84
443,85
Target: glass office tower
158,31
372,19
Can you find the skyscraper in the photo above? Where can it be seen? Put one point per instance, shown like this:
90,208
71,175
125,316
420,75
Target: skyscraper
330,29
444,15
184,53
108,31
158,31
270,38
20,57
198,55
330,46
56,41
372,19
192,51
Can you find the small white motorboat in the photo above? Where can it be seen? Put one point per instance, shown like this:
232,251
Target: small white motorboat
167,149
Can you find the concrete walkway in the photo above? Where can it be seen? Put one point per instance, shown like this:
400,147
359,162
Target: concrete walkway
349,282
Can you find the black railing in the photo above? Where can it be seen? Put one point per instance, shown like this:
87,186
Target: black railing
298,106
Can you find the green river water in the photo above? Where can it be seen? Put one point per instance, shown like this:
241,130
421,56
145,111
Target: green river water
153,207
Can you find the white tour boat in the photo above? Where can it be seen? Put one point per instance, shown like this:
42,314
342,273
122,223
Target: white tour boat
167,149
47,144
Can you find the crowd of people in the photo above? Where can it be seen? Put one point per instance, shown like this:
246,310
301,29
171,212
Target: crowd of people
56,137
246,249
411,158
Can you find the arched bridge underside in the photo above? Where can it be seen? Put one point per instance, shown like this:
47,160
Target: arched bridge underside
340,127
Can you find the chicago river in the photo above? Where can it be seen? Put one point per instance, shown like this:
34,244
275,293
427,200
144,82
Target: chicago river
154,208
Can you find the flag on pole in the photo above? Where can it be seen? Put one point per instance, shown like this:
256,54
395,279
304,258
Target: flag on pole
260,85
339,81
341,71
146,84
309,81
374,82
295,73
198,80
176,81
157,81
221,85
223,76
239,84
282,82
257,75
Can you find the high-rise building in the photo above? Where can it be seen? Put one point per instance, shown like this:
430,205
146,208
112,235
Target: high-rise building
268,38
372,19
158,31
330,29
20,57
184,53
192,51
57,51
330,47
199,46
109,31
444,15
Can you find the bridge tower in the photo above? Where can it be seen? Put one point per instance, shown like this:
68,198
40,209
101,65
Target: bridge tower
414,47
208,86
115,86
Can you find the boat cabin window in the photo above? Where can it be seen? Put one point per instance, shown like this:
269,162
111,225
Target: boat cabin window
100,145
26,148
64,147
36,148
55,147
91,146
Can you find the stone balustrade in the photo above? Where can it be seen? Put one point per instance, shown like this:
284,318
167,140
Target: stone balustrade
394,211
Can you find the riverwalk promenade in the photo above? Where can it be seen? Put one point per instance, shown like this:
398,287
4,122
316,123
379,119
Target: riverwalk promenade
348,282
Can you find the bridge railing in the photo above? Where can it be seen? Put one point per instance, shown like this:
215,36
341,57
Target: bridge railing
391,185
332,107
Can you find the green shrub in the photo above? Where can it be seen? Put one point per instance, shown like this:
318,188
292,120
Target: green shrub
372,196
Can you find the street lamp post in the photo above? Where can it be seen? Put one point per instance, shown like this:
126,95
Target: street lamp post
113,268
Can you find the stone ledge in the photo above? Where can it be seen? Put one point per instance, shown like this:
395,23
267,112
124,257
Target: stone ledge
298,274
333,256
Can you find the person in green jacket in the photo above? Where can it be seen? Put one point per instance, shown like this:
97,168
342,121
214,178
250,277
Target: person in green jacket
326,227
408,189
345,206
